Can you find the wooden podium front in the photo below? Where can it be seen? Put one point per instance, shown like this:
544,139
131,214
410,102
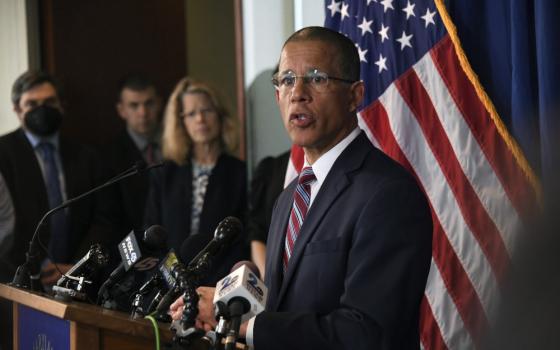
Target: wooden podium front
42,321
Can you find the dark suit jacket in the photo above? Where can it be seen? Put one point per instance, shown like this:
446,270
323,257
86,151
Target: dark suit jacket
23,176
170,201
360,263
266,185
124,202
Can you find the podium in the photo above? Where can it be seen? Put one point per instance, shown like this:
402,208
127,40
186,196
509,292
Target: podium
41,322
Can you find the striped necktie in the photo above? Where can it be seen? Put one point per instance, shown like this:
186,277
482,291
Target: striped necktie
302,196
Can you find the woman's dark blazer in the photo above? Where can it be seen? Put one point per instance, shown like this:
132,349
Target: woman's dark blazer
170,201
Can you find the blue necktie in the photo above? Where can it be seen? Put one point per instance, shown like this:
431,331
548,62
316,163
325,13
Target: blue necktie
58,243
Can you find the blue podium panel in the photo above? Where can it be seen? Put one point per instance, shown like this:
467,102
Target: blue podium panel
40,331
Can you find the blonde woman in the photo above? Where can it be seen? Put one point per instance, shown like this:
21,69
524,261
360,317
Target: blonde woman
201,183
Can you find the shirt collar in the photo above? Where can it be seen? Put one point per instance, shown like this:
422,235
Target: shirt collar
140,141
34,140
323,165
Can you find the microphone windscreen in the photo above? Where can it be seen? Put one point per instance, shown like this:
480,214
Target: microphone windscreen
250,265
228,229
155,238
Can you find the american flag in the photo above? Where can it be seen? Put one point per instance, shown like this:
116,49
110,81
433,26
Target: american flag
425,108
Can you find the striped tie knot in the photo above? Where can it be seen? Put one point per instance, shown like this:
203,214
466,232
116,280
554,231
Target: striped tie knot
307,176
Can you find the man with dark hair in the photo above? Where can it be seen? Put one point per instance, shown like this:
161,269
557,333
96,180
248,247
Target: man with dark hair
40,169
349,245
139,106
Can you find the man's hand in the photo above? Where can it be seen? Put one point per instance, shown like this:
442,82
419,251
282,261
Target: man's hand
176,309
205,319
50,275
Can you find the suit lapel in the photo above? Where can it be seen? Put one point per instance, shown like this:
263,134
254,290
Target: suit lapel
275,244
186,175
338,179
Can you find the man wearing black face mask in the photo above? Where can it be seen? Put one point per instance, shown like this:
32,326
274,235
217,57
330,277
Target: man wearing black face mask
41,169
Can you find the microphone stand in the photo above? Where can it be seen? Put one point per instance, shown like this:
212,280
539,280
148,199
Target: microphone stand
28,274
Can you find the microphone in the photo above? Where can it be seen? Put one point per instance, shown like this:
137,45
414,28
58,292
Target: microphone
27,275
161,282
138,255
172,268
225,233
73,283
245,296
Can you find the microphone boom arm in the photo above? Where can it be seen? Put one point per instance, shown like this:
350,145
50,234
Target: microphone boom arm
28,274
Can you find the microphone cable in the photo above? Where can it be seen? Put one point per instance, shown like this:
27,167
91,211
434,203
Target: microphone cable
156,329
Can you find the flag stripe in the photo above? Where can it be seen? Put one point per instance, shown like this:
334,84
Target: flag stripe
533,190
472,159
457,282
364,126
471,209
410,138
445,315
515,182
430,334
425,107
455,277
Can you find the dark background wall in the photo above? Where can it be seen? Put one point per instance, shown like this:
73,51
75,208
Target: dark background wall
89,45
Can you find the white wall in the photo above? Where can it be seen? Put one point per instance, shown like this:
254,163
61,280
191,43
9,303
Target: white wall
266,25
308,13
13,58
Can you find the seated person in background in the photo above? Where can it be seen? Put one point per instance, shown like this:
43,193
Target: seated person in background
139,106
202,183
41,169
266,185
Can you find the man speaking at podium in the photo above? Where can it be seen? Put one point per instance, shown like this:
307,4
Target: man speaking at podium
349,245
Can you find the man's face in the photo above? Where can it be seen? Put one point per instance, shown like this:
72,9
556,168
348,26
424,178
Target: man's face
316,120
42,94
140,110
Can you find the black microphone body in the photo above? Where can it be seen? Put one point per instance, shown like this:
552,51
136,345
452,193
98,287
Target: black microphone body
77,281
27,275
190,276
237,307
228,229
138,256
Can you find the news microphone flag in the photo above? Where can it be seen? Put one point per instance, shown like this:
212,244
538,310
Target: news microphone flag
425,107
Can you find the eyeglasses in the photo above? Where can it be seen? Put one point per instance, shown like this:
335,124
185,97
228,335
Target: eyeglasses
191,114
318,80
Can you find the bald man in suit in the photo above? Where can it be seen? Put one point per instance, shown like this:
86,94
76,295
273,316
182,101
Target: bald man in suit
349,245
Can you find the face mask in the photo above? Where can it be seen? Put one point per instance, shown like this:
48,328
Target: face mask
43,120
